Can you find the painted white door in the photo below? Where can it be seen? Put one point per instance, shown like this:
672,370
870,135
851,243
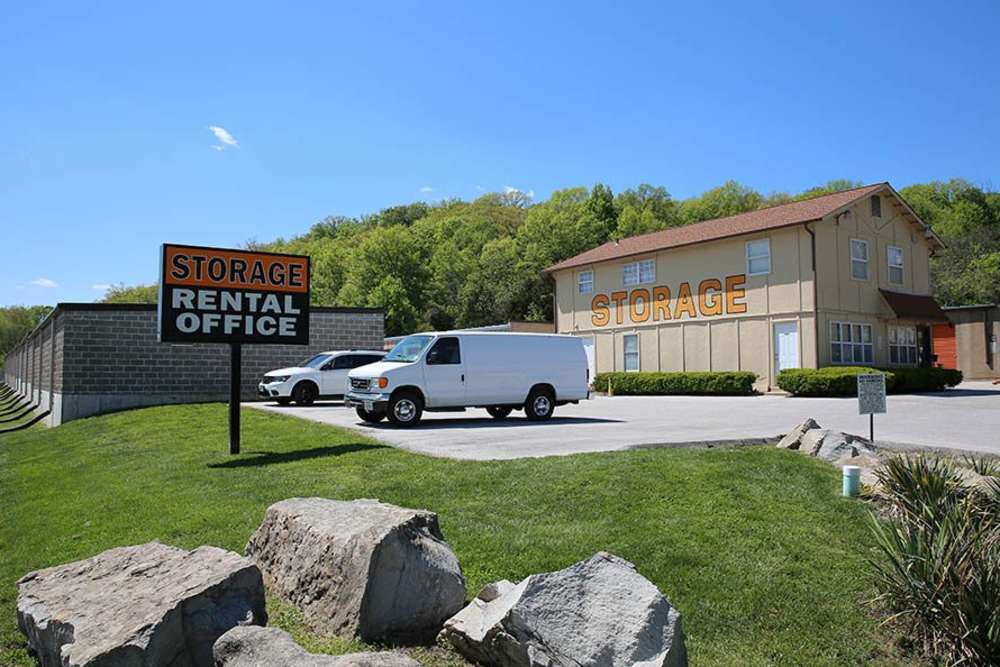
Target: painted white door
588,347
786,345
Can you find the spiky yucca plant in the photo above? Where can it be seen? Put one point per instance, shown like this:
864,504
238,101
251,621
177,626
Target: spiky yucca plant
939,565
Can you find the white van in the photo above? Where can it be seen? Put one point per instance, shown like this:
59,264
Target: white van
453,370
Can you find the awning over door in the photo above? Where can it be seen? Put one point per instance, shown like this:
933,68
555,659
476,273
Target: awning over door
914,306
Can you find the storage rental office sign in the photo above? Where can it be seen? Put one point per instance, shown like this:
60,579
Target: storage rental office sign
217,295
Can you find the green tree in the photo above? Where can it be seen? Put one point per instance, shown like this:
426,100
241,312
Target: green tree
729,198
16,322
134,294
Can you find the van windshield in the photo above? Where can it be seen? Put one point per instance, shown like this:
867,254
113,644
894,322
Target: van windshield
315,362
408,349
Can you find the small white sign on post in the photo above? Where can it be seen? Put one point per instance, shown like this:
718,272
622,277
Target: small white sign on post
871,398
871,394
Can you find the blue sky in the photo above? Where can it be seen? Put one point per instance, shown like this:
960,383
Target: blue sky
105,110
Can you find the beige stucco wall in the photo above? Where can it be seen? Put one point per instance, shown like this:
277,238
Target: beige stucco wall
728,341
843,298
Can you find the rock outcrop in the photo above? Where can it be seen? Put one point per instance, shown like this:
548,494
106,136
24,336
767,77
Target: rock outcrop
833,446
793,438
599,611
252,646
362,568
148,605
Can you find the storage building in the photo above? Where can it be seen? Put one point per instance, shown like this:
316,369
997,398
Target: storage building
841,278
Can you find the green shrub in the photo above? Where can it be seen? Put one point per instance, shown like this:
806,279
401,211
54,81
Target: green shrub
828,381
842,380
938,564
730,383
925,379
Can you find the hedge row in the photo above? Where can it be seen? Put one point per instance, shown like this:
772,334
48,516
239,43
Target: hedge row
842,380
736,383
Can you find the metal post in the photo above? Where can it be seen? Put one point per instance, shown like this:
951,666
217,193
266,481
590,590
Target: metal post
235,363
871,428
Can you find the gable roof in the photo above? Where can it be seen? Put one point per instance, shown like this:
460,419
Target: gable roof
774,217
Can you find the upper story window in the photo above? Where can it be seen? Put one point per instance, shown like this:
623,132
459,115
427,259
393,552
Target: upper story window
758,257
894,256
636,273
859,259
585,282
876,206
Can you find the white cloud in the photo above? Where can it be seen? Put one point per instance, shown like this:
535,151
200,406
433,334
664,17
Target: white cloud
427,188
509,189
104,287
224,137
44,282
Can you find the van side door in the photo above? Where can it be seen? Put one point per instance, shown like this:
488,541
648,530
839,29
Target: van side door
444,373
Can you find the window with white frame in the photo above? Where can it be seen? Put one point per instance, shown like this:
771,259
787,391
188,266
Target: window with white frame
637,273
894,256
903,345
585,282
851,343
859,259
758,257
630,343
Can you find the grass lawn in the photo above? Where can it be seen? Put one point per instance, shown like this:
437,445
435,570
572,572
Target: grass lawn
754,546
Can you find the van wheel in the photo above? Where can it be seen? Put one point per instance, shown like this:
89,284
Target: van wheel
305,393
539,405
405,409
283,401
373,417
498,411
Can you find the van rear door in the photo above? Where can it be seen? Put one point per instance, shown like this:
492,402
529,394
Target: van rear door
444,373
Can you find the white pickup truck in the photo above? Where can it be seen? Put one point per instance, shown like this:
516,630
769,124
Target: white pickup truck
321,376
453,370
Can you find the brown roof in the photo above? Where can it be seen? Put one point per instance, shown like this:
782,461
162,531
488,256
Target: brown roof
913,306
781,215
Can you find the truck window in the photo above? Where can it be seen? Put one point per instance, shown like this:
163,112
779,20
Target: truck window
445,351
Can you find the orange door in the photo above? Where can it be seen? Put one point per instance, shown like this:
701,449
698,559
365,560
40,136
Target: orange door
944,345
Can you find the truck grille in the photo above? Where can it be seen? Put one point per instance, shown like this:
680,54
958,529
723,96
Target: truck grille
359,384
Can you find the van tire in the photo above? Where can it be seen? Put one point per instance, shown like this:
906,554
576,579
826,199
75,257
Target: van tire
499,411
373,417
305,393
405,408
540,404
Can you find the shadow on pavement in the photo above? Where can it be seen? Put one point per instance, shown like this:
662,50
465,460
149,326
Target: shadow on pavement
488,422
268,458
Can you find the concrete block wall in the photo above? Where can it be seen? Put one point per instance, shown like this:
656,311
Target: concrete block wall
106,357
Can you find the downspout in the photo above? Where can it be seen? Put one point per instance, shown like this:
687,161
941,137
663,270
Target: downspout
812,244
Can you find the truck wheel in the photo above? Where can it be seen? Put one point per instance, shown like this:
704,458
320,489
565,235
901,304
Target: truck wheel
304,393
405,409
539,405
373,417
498,411
283,400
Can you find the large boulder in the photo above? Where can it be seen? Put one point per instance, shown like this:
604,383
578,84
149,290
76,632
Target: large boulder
252,646
599,611
362,568
834,445
793,438
147,605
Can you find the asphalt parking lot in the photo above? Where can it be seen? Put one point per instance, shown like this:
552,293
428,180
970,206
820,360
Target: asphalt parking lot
966,418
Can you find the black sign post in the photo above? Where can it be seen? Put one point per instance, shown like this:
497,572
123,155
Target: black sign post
220,295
